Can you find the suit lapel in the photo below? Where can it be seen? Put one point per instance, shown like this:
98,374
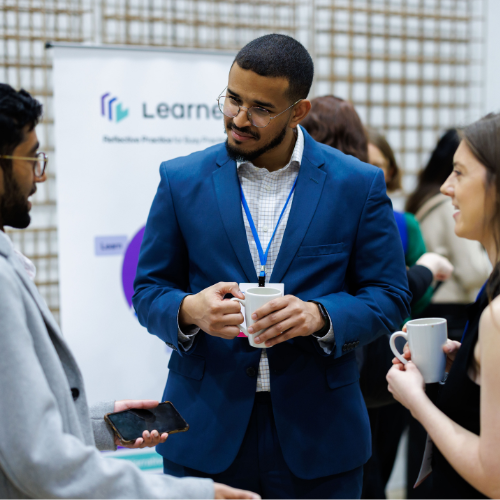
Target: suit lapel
227,191
308,191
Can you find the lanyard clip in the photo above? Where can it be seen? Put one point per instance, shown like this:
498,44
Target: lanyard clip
262,276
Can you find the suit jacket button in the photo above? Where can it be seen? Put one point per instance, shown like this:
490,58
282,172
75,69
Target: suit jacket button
75,393
251,371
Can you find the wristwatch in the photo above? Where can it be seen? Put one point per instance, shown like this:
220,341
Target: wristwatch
324,315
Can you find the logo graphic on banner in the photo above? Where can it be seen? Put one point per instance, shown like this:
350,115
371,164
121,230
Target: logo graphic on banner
129,269
107,108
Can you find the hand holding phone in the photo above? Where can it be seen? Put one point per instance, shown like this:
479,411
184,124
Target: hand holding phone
130,424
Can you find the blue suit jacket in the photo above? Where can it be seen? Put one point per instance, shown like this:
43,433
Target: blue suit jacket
341,247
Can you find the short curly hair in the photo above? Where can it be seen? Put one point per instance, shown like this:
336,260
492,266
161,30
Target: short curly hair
17,110
278,56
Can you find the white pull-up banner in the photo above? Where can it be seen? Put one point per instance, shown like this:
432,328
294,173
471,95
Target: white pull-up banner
120,112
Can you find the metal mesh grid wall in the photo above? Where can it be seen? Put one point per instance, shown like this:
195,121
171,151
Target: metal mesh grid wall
412,68
25,26
219,24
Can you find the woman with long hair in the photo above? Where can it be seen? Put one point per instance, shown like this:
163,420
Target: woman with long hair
463,425
434,210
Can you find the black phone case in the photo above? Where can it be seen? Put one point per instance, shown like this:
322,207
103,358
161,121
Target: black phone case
124,441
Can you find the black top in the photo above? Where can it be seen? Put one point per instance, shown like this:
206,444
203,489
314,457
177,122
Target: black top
419,280
459,399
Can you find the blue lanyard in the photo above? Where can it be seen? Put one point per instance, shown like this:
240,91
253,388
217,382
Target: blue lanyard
467,324
262,255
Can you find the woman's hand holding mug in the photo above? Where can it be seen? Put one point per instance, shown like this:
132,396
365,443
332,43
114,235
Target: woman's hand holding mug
450,349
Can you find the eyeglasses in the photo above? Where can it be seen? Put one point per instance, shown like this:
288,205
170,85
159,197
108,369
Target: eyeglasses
39,162
258,117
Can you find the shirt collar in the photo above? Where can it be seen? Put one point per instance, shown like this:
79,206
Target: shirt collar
298,151
7,239
28,266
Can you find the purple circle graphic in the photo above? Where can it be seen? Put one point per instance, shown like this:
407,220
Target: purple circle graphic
130,262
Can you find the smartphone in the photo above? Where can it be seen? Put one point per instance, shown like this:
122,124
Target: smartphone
130,424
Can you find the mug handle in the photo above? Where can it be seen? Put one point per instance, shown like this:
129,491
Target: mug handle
242,328
392,343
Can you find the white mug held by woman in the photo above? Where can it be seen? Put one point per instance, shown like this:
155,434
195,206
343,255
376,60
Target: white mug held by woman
426,338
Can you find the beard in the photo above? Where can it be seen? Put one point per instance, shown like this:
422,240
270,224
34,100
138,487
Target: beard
236,154
14,208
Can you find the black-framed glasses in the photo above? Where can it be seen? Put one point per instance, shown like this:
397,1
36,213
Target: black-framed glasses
39,162
258,117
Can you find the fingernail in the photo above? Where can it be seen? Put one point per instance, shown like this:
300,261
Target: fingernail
257,340
254,316
268,343
250,330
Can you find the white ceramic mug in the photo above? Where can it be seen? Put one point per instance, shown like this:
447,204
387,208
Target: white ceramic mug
254,299
426,338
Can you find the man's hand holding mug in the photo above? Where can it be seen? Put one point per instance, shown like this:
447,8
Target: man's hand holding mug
285,318
282,317
209,311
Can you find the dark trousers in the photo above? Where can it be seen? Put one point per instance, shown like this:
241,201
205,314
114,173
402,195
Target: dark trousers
261,468
388,424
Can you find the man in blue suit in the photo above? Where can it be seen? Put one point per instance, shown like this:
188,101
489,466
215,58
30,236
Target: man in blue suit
286,421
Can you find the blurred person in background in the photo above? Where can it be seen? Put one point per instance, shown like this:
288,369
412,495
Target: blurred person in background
49,437
381,155
463,424
335,122
434,211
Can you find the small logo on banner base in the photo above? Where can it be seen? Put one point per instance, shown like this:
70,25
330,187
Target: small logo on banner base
112,111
